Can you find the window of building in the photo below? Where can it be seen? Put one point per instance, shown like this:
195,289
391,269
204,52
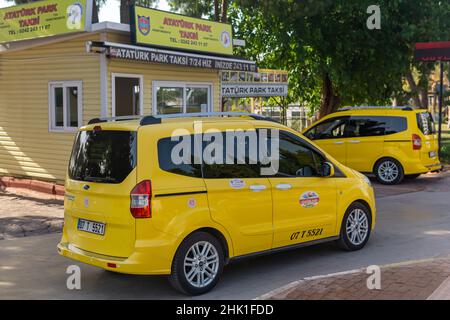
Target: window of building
180,97
127,94
65,105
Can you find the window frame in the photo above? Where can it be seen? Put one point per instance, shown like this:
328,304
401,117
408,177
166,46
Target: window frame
52,85
115,75
184,85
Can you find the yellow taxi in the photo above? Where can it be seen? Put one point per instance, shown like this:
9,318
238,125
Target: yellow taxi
393,143
131,206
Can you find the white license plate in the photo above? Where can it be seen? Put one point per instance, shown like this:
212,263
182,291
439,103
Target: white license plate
433,154
91,226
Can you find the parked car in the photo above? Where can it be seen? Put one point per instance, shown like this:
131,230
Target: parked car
390,142
131,208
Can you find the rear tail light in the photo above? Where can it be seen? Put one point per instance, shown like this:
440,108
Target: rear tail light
417,142
140,200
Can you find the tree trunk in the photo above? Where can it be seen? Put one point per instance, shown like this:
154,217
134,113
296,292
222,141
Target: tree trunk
125,11
224,17
330,98
216,10
417,93
95,12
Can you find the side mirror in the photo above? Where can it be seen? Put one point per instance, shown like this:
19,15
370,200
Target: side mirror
327,169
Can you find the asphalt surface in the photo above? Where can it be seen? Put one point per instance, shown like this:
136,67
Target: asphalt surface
410,226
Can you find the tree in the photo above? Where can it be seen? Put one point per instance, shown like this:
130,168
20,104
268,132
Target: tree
125,6
329,50
216,10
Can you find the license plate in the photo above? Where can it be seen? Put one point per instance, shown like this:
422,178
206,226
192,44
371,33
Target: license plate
91,226
433,154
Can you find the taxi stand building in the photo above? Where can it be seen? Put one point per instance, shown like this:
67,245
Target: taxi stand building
51,86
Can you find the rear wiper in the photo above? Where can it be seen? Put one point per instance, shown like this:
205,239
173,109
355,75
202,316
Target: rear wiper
99,179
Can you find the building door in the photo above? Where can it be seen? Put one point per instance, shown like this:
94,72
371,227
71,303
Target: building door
127,95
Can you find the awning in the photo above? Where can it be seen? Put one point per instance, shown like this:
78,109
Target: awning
152,55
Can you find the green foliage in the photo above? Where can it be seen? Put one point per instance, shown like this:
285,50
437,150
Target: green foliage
193,8
310,38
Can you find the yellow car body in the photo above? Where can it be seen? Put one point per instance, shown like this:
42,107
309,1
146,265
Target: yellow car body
362,137
245,222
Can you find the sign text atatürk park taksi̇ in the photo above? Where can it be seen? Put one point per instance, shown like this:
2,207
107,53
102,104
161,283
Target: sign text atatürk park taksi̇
179,59
254,90
42,19
159,28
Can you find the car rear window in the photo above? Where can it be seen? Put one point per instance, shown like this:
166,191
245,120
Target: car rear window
425,123
103,156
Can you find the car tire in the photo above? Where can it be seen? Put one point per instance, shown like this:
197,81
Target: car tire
355,228
412,176
389,171
194,270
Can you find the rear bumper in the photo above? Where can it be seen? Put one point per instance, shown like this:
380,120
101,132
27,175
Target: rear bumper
435,167
136,263
418,167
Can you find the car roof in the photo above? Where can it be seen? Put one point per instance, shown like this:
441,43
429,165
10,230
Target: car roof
376,111
135,124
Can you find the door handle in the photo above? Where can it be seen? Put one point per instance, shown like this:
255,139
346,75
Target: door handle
339,142
258,187
354,141
284,186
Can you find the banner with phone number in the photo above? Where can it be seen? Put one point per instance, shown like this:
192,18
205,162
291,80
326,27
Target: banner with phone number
43,19
164,29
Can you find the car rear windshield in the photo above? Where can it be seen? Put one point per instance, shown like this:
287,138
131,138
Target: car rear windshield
425,123
103,156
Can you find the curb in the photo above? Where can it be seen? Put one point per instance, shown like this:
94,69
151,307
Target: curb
35,185
293,284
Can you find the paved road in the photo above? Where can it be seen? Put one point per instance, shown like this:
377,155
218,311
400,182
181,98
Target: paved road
411,226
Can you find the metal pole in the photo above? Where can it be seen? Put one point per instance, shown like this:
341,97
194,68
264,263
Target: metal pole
441,103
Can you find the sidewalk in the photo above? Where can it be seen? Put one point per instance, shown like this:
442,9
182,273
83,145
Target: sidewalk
414,280
26,213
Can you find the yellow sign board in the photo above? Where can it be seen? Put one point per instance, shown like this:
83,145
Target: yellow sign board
160,28
43,19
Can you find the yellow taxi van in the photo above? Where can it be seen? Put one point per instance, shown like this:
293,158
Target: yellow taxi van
393,143
130,208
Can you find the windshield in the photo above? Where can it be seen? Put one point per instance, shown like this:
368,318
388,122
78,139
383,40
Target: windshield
103,156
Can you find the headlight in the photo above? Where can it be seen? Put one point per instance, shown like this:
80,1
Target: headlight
363,177
367,180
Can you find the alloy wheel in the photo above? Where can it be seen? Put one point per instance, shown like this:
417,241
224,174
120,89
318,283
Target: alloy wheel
201,264
388,171
357,226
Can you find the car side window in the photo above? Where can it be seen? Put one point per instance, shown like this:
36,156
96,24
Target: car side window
166,163
297,159
329,129
240,167
369,126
